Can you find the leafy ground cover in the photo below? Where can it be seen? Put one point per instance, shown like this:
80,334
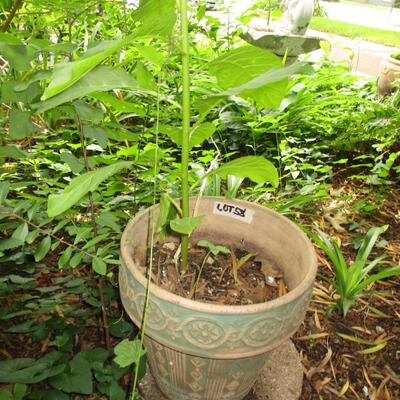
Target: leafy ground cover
63,332
354,31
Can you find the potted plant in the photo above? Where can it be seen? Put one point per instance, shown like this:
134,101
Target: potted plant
198,350
389,72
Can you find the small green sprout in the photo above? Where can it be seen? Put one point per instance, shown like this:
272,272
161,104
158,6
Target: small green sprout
213,249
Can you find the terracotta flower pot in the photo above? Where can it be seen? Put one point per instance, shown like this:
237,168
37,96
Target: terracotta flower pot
389,71
202,351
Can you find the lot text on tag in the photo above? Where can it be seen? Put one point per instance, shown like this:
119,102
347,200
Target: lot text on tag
232,211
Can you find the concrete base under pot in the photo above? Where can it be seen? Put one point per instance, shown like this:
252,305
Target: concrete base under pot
280,379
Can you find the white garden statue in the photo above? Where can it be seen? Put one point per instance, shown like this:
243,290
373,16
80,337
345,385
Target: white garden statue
296,16
286,37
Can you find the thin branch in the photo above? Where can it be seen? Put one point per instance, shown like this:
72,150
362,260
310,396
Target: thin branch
46,232
17,5
94,226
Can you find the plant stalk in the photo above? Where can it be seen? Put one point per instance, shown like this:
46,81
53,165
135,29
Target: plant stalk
151,253
94,227
193,294
185,126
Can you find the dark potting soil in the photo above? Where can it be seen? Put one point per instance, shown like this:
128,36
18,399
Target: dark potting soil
215,282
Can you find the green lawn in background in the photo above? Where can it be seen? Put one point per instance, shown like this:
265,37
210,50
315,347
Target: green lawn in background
377,35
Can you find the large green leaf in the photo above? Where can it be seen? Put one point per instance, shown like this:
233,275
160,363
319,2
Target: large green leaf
21,125
145,77
157,17
206,104
256,168
18,56
77,378
75,164
86,112
17,239
8,38
101,79
369,242
4,188
151,54
200,133
12,152
112,389
35,77
255,88
241,65
197,135
167,213
29,370
99,266
97,133
66,74
185,226
252,87
118,105
126,352
21,232
108,218
42,249
10,243
80,186
11,92
6,395
63,47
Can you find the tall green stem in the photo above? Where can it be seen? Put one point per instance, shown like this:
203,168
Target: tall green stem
185,126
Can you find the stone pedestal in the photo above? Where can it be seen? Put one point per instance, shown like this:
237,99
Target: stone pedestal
281,378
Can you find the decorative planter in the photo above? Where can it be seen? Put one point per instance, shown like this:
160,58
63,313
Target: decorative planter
389,71
202,351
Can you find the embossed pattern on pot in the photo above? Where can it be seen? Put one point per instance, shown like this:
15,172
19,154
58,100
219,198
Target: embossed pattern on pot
196,333
200,378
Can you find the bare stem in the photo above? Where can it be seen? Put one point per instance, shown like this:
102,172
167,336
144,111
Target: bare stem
94,227
185,126
45,231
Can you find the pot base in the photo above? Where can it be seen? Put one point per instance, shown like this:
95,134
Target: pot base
280,379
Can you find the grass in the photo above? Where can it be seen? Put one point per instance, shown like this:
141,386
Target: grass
352,31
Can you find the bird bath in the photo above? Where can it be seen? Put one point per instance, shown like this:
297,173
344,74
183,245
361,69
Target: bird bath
287,37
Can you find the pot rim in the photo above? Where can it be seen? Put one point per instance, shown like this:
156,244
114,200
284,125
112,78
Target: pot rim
394,60
163,294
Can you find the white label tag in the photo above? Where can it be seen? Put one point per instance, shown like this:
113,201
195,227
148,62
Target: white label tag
232,211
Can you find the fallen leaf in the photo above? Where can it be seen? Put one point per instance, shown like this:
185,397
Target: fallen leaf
315,370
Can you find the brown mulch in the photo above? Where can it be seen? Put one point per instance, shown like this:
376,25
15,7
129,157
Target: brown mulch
356,357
